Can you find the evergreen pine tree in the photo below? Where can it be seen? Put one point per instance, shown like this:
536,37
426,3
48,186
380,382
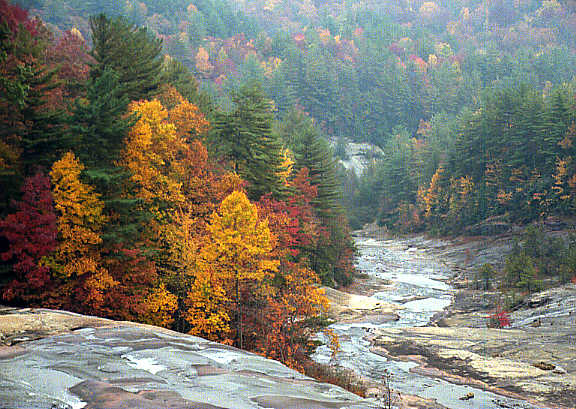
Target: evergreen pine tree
176,74
313,152
100,125
44,136
245,137
28,124
98,121
134,53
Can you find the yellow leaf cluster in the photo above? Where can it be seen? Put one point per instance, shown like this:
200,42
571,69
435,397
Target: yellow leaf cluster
188,119
203,62
237,254
431,196
239,241
207,309
151,152
560,176
96,287
503,197
287,166
80,219
161,305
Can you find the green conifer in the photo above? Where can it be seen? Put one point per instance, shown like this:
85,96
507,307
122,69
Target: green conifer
134,53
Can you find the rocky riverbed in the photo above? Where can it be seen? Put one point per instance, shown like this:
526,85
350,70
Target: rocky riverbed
413,318
439,347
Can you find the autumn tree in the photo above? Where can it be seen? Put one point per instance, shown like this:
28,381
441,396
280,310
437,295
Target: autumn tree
293,296
71,53
189,121
31,233
178,186
169,168
76,263
292,301
234,264
151,151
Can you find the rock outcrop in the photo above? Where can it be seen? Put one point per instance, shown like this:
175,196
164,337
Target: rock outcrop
535,363
54,359
348,307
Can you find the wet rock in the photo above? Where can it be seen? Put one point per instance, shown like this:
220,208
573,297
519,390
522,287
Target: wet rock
544,366
538,300
555,307
489,227
559,370
499,358
121,365
101,394
555,223
468,396
346,307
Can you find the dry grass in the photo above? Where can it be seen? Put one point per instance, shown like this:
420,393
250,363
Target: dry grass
338,376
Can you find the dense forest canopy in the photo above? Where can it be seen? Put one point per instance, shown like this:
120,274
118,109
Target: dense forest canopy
360,68
404,75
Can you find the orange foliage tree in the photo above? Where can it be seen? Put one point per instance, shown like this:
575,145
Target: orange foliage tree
171,172
293,295
76,262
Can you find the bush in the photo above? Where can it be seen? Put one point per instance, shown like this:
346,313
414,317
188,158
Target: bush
499,319
484,276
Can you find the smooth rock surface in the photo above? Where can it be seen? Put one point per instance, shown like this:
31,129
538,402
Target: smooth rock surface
502,358
54,359
347,307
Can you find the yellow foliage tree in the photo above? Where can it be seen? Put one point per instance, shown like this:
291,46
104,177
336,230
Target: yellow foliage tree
185,116
207,309
79,225
152,148
287,166
160,306
235,260
80,218
431,196
203,62
188,119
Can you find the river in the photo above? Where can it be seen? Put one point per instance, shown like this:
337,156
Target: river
420,283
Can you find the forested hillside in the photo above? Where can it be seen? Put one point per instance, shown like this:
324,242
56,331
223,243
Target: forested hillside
127,193
415,78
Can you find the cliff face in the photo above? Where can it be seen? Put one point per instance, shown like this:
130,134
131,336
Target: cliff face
54,359
359,156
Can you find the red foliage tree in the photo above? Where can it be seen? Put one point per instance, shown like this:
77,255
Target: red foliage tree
31,232
499,319
15,17
70,53
136,277
293,221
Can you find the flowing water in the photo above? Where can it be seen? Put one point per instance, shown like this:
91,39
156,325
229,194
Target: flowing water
419,285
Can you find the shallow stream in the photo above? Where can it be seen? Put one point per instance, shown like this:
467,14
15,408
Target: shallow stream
419,284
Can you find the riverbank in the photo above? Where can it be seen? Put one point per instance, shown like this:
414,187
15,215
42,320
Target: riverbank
535,360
